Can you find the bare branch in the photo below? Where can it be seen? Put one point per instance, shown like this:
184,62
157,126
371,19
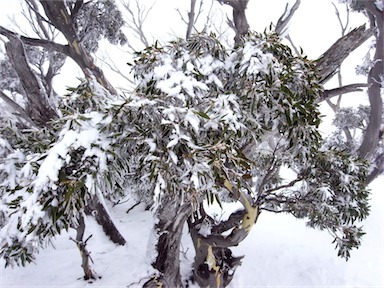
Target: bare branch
336,107
284,19
33,8
107,60
293,45
285,186
200,11
136,20
357,87
343,26
329,63
191,19
36,42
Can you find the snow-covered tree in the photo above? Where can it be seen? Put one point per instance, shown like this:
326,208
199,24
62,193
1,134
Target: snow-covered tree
205,123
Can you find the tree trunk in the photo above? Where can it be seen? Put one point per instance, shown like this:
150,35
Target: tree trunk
215,264
371,137
240,23
97,209
172,215
82,245
38,108
58,15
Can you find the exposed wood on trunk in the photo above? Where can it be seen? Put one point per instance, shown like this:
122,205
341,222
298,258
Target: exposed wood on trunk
214,262
214,266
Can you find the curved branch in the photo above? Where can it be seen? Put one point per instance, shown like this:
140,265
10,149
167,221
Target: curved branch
378,170
371,136
57,13
242,222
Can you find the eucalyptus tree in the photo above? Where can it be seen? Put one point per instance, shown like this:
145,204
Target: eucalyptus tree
205,123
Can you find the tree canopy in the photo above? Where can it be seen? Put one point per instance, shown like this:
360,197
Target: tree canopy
205,122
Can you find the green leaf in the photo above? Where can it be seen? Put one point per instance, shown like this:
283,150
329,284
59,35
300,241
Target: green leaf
202,114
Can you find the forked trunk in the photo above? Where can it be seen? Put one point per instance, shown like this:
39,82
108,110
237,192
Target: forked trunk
215,264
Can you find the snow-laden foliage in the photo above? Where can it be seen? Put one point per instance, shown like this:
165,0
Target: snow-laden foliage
350,124
97,20
8,77
224,116
48,176
203,123
231,119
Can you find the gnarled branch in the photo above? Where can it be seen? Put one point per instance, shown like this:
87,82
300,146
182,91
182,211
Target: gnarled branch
329,63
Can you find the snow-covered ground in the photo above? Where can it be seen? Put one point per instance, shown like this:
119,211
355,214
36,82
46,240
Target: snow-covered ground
280,252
